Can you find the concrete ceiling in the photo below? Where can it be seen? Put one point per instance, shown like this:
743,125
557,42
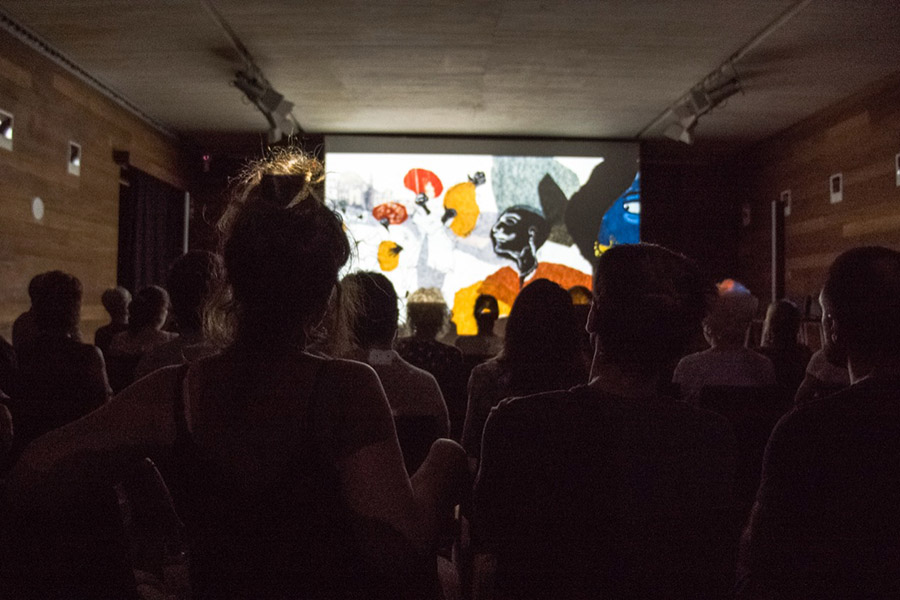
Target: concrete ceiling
564,68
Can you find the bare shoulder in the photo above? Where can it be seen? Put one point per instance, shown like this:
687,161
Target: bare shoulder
157,387
348,375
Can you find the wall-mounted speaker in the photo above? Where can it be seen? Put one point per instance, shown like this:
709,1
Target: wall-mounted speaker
74,159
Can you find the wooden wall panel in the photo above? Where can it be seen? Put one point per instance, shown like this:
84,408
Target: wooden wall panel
79,231
859,138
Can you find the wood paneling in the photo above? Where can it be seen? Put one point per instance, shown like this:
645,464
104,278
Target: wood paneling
79,231
858,137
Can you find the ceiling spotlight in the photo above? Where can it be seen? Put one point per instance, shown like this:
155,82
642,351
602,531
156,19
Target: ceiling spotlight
701,99
270,103
723,91
680,133
685,114
683,129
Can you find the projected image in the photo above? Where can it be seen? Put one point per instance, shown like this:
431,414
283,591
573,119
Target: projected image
472,224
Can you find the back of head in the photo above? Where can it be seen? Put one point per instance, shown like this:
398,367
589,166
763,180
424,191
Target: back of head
580,295
648,304
57,302
115,301
34,286
148,309
427,312
541,326
781,325
862,293
486,312
376,321
731,314
282,250
191,281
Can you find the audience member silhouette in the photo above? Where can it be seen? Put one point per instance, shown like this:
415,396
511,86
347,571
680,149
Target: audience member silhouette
779,344
24,327
427,315
822,377
611,489
540,353
192,280
60,379
333,337
7,431
8,367
825,374
420,414
727,362
581,301
115,301
580,295
285,466
826,522
146,316
485,343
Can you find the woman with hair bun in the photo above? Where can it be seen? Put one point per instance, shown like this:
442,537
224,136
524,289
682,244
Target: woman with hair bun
285,465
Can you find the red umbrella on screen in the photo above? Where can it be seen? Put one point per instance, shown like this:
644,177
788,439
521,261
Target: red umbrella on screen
425,184
423,181
389,213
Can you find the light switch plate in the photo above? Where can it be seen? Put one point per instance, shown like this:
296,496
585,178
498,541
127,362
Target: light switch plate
836,186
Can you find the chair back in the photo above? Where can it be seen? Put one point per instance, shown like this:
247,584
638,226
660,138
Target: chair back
753,413
415,433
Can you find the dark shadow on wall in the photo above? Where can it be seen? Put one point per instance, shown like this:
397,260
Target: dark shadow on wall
691,200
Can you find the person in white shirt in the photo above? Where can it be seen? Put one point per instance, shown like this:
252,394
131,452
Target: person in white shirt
727,361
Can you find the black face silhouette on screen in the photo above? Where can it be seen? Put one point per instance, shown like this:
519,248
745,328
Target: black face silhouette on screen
517,234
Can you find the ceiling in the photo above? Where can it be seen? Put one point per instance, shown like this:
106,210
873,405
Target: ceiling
554,68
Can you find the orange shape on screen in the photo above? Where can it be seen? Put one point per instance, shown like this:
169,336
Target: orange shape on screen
423,181
394,212
464,309
460,200
389,255
504,285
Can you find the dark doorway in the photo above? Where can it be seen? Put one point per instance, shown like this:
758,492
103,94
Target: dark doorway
151,229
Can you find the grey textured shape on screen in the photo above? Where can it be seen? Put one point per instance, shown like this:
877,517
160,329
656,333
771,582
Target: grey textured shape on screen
515,180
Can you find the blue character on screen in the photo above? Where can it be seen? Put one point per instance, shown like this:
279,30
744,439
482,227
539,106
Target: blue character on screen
622,222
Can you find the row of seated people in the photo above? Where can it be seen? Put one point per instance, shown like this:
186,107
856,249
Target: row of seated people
543,333
540,313
286,467
52,378
538,355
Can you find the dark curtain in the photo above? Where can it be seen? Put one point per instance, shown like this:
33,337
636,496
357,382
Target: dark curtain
151,229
